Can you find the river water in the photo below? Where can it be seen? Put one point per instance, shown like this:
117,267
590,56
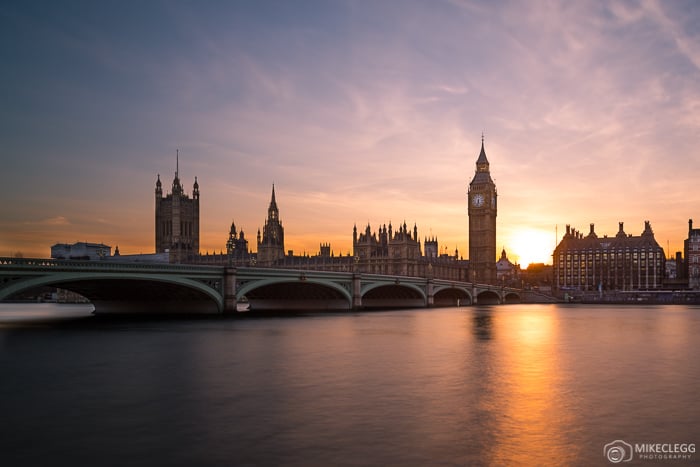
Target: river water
502,385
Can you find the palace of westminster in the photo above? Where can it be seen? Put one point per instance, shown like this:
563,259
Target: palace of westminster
590,262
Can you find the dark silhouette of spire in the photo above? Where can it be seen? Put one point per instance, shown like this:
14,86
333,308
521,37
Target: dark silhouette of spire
273,202
482,160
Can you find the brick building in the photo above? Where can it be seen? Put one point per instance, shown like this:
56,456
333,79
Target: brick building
623,262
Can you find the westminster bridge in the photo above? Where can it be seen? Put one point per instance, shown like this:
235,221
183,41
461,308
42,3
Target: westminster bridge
119,287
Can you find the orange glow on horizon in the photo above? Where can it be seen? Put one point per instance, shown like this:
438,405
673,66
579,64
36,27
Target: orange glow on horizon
527,246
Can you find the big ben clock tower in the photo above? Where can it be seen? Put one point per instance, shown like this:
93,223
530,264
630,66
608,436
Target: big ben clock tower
482,222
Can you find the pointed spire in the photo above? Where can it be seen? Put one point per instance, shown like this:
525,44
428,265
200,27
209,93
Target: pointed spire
482,155
273,211
177,188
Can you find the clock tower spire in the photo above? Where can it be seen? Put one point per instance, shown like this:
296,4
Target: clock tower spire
482,208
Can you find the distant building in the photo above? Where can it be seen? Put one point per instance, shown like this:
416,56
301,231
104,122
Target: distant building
271,244
387,252
430,247
537,276
117,257
623,262
671,269
399,253
81,250
237,247
691,248
676,277
507,273
177,220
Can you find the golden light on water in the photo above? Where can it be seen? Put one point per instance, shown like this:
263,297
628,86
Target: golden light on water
532,402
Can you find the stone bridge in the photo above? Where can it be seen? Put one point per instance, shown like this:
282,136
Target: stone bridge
117,287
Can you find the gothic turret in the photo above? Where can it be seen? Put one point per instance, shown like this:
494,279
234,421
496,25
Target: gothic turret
273,212
271,245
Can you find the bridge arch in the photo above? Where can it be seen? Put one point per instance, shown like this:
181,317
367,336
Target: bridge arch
451,296
511,297
488,297
295,294
128,293
384,294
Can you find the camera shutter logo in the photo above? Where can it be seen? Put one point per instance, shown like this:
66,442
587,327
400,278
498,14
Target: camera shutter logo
618,451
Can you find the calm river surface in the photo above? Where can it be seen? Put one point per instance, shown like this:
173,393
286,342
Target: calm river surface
505,385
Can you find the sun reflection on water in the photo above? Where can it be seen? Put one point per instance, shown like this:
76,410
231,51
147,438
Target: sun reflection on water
530,404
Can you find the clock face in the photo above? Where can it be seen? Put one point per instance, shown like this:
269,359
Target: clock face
478,200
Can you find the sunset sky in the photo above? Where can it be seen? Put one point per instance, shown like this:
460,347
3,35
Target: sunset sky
357,111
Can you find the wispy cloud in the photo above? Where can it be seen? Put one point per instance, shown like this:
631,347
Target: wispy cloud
688,46
361,112
51,221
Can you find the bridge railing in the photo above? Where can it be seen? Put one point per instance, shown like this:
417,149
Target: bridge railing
243,270
103,265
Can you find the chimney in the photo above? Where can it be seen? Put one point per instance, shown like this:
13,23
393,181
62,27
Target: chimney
592,229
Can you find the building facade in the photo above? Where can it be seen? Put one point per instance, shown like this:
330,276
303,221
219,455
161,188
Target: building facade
177,220
387,252
430,247
237,247
691,248
621,263
507,273
399,253
81,250
482,208
271,243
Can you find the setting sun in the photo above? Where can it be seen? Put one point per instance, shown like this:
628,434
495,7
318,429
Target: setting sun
531,246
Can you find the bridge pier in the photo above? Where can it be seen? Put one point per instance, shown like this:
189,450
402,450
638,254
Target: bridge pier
230,303
430,294
356,292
